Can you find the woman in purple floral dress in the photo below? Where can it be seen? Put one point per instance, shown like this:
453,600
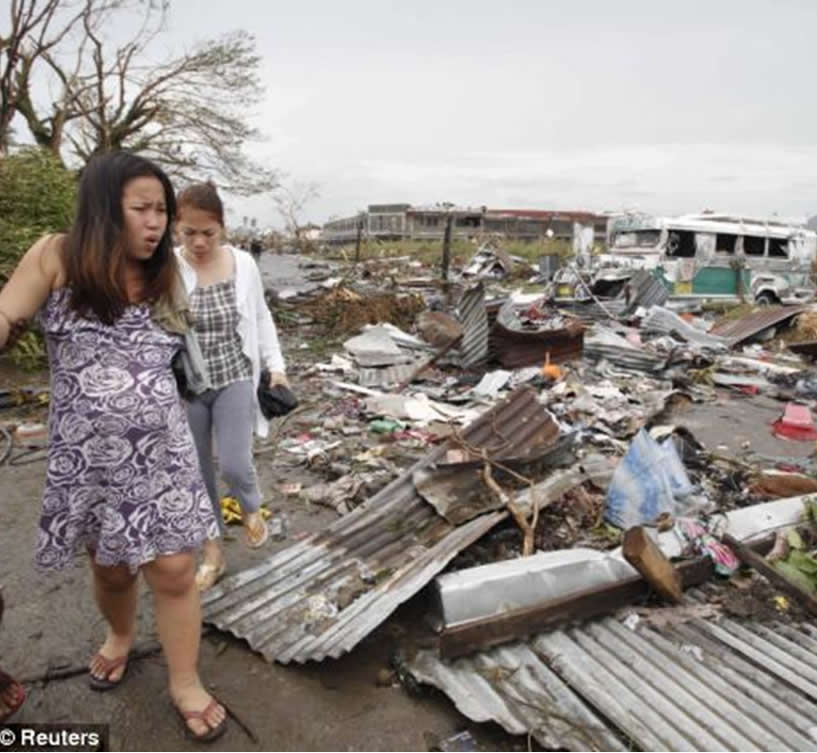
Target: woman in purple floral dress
123,480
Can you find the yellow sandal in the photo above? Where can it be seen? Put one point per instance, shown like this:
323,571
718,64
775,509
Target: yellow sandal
208,574
257,530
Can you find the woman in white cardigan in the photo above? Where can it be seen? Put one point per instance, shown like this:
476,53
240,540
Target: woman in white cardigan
238,339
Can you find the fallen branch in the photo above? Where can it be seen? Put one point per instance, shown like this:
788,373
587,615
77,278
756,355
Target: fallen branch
528,529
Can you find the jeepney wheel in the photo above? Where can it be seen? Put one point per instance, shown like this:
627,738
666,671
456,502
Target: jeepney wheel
766,298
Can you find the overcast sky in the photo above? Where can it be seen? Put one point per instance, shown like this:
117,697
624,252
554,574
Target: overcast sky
667,107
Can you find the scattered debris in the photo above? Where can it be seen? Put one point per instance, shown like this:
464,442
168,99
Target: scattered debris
536,449
528,334
489,262
787,579
796,423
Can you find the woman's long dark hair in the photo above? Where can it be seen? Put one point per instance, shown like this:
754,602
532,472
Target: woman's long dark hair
95,252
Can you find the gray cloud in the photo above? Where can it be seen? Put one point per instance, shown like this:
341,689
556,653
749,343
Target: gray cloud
529,103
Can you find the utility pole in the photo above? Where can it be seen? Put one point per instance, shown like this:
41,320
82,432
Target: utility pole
359,236
446,263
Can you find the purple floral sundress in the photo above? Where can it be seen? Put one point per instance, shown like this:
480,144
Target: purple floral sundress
123,476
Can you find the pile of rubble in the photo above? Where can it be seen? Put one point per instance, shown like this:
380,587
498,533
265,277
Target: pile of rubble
536,465
533,463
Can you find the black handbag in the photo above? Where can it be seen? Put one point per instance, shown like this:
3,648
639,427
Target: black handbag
274,401
179,374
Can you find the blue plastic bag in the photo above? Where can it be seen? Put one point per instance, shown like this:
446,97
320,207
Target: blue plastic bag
649,480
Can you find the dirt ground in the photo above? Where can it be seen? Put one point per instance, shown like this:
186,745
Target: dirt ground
52,625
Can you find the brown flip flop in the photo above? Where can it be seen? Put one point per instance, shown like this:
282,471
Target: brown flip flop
11,708
108,666
212,733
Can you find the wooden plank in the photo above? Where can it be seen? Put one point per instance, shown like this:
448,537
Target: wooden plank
775,577
476,635
645,556
427,364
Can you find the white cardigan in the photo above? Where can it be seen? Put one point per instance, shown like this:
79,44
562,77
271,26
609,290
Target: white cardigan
256,328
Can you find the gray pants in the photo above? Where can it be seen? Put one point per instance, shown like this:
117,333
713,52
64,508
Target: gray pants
228,414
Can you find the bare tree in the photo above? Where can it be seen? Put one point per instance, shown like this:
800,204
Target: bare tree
290,202
36,27
188,113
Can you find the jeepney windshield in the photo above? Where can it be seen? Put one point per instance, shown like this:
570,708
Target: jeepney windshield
636,240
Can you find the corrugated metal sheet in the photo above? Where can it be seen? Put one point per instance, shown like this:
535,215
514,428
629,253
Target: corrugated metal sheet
627,358
746,327
472,315
699,685
513,687
645,289
663,320
516,350
320,597
589,312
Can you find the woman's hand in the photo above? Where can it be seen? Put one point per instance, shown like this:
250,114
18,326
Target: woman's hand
278,377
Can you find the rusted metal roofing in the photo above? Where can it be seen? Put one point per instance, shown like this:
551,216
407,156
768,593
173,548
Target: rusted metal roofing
519,349
457,491
321,596
746,327
696,685
516,348
808,349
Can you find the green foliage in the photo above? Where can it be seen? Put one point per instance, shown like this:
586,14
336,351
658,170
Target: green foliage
534,250
29,353
430,251
37,195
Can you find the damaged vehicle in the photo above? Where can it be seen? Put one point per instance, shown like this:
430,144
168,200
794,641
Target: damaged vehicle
701,257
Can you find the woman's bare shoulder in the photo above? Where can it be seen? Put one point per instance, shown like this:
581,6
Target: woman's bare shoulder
50,254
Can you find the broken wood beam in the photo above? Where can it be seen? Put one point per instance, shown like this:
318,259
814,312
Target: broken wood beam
644,555
427,364
476,635
751,558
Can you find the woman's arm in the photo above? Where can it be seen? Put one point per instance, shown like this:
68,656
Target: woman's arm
31,282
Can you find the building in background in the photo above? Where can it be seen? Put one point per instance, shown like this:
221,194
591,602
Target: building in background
394,222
